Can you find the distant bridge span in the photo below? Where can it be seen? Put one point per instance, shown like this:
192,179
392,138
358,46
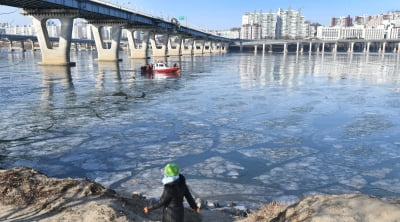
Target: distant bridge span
348,45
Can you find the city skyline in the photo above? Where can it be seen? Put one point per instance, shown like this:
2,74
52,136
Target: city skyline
224,14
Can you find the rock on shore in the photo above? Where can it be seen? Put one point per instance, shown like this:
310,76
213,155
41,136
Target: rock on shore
329,208
344,207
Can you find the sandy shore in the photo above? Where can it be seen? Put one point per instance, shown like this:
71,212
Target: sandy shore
28,195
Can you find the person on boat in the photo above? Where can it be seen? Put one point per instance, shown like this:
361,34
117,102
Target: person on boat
175,65
175,189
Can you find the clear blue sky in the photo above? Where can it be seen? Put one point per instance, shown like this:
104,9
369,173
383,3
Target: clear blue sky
225,14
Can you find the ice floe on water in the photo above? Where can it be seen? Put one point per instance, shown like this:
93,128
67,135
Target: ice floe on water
392,185
275,155
357,182
305,173
367,125
216,167
231,139
378,173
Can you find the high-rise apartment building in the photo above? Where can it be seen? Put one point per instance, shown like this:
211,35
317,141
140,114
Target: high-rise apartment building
283,24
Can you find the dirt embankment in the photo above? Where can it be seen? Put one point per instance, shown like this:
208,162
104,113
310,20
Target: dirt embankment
28,195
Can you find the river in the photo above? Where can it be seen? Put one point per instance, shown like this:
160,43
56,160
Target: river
243,128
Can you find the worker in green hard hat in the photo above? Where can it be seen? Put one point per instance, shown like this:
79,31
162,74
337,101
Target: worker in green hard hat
171,200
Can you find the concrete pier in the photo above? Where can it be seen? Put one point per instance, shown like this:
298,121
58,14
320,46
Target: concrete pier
54,55
187,46
199,46
106,52
138,50
174,45
159,49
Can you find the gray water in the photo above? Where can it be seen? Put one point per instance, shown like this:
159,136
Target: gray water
244,128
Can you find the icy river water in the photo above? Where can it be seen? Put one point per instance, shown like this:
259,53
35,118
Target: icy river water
244,128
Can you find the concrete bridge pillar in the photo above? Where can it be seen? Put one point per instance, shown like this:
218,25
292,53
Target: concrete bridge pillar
384,47
270,48
224,47
367,46
216,47
199,46
335,47
310,50
398,48
285,49
54,55
30,41
106,52
351,47
323,47
138,50
10,46
23,46
187,46
207,47
297,47
159,49
174,46
255,49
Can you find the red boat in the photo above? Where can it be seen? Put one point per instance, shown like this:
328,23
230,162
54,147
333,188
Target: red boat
160,67
163,68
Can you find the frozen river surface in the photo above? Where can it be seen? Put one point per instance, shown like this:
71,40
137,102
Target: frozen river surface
245,128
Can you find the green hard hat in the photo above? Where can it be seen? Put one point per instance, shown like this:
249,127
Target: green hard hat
171,170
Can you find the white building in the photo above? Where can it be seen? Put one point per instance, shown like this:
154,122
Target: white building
393,33
283,24
290,24
337,33
382,26
251,27
80,29
20,30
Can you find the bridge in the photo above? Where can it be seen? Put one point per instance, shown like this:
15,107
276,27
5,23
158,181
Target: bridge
310,45
176,39
32,39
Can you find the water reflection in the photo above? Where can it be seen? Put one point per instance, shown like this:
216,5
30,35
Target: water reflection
52,78
287,70
109,68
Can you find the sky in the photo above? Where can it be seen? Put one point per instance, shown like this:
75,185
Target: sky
226,14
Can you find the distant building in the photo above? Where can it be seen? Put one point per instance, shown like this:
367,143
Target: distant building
80,29
342,22
382,26
20,30
287,24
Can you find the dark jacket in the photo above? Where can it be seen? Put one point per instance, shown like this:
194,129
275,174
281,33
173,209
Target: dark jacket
172,200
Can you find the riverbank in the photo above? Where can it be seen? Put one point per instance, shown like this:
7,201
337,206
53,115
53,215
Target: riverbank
28,195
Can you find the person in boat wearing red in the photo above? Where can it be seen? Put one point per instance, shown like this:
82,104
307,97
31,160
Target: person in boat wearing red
175,189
